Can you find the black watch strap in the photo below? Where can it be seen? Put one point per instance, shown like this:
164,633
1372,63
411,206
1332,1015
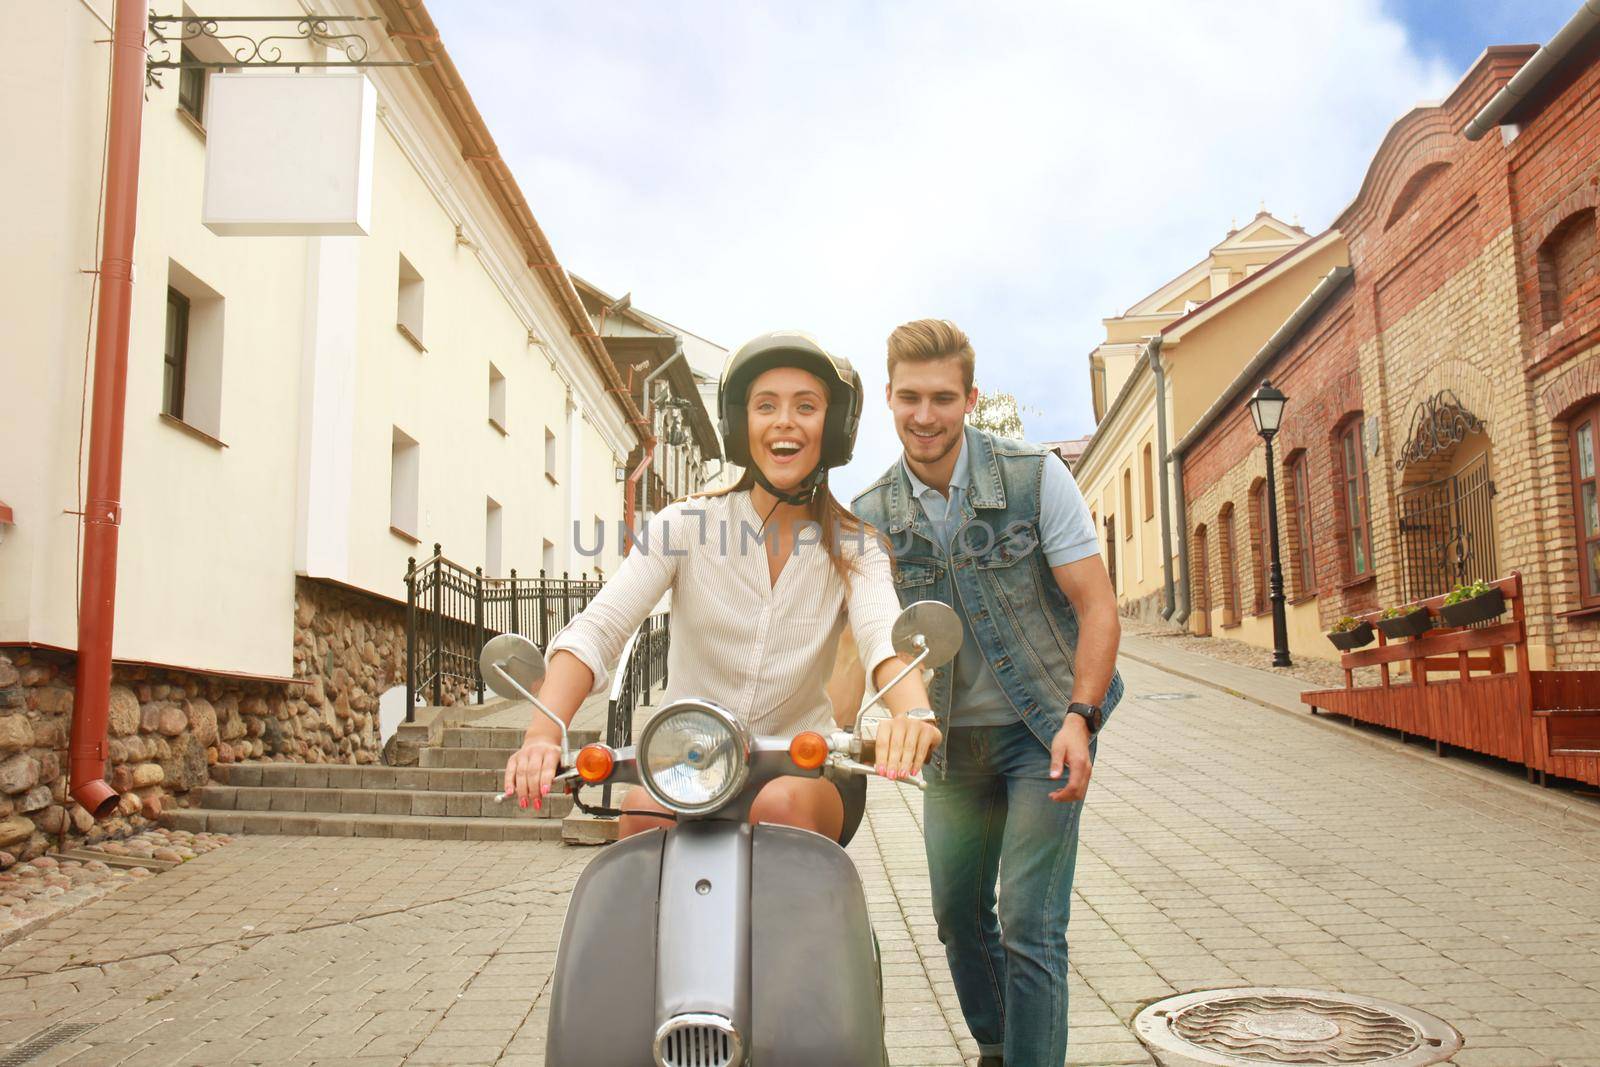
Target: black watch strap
1090,713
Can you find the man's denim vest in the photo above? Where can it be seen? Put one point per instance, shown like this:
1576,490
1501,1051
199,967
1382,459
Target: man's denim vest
996,576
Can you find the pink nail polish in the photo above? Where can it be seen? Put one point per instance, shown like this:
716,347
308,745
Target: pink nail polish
523,802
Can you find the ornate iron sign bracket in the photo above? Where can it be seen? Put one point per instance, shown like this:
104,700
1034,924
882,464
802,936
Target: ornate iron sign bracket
248,49
1438,424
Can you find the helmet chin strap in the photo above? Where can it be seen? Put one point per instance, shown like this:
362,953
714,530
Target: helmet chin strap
803,493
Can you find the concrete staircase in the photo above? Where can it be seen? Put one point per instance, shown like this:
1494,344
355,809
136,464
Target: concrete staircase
447,796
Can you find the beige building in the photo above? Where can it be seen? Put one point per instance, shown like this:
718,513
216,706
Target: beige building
316,406
1162,365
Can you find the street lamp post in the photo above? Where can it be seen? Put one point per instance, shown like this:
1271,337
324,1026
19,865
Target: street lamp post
1266,409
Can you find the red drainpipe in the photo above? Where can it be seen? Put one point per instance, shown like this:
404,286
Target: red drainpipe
103,511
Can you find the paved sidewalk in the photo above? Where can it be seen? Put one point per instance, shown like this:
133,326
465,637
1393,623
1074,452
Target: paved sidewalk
1224,844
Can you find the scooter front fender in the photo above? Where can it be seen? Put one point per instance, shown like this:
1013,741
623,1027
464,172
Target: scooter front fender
816,984
603,996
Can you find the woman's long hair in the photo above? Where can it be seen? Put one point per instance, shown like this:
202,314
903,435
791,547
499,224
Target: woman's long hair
832,517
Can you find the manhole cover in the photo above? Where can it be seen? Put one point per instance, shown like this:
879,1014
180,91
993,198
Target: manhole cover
1166,696
1245,1027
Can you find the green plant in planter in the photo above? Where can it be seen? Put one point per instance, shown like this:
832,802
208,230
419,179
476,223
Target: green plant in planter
1467,592
1345,625
1401,611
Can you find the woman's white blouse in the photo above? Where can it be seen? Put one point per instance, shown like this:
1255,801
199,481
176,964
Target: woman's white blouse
763,651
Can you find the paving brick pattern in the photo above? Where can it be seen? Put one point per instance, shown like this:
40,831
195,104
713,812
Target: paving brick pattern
1224,844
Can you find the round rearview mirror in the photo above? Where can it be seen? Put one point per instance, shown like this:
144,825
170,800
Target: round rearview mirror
516,656
937,626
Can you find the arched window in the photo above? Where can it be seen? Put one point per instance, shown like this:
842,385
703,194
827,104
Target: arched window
1260,557
1149,487
1585,433
1127,503
1352,467
1229,566
1305,566
1200,610
1567,266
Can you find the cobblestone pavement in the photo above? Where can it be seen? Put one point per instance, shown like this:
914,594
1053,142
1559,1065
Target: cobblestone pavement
1224,844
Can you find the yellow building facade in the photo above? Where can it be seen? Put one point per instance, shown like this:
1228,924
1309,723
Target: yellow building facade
1162,365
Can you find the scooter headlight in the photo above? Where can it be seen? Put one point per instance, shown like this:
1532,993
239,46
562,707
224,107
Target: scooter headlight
693,757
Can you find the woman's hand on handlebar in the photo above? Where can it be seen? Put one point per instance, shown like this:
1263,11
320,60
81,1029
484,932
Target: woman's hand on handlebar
530,770
903,745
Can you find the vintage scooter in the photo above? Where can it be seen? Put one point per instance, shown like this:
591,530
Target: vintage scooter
714,943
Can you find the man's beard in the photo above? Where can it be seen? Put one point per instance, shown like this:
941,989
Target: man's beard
951,441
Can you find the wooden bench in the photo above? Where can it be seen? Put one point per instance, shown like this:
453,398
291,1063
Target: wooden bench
1490,700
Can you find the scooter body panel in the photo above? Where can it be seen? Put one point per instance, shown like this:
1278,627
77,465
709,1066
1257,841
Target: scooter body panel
603,995
816,993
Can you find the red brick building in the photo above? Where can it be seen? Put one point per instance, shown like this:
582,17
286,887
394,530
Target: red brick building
1444,402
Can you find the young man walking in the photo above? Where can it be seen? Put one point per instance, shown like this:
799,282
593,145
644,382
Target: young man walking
998,530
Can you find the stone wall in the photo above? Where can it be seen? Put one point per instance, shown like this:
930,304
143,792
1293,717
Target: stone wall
168,726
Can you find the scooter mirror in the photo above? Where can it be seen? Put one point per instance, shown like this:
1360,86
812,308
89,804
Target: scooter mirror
518,657
938,627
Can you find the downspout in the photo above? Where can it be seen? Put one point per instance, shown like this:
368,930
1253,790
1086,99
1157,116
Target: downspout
1153,353
631,504
102,515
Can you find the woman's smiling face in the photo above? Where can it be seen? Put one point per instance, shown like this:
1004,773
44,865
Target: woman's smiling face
786,409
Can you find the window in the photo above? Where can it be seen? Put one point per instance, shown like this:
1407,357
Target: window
1358,522
1230,572
492,562
405,471
1586,502
497,398
1127,504
191,375
1305,560
408,316
1260,547
176,351
192,88
550,454
1202,582
547,561
1567,263
1149,487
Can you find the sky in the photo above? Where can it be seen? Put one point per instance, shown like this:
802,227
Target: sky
1024,169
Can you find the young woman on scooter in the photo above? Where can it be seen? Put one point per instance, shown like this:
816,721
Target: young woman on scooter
763,578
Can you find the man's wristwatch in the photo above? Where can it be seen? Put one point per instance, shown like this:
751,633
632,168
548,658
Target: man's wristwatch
1091,714
922,715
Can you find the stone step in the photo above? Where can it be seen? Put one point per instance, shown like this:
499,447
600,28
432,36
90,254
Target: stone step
505,738
344,776
475,805
464,758
329,824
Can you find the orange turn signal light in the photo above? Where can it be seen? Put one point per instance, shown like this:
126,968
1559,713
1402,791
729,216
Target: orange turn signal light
808,750
595,763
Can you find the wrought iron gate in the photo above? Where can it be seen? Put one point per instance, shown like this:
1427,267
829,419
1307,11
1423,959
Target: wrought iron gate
1447,531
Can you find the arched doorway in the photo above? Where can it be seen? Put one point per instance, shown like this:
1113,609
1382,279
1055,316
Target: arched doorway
1445,502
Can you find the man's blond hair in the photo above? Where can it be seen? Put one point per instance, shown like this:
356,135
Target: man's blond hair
930,339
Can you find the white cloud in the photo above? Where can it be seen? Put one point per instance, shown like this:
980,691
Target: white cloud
1023,169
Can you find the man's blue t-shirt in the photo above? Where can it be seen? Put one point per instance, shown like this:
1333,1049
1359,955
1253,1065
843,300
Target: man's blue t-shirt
1067,535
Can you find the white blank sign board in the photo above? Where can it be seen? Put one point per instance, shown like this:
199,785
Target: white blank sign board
289,154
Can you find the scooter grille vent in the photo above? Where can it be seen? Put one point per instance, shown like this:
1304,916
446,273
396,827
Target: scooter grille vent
698,1041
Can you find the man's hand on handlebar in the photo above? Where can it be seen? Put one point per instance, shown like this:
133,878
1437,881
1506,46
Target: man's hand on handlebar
903,744
530,770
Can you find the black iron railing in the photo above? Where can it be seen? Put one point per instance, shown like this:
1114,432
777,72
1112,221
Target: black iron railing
1447,535
643,668
451,611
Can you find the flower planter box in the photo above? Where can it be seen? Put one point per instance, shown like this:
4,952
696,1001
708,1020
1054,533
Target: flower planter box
1411,624
1489,605
1352,639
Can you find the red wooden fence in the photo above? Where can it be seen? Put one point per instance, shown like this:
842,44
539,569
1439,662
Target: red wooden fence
1549,721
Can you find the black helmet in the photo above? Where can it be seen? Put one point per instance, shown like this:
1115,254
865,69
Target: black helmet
789,348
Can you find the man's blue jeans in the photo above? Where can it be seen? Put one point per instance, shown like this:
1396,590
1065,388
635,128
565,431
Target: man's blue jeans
991,815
